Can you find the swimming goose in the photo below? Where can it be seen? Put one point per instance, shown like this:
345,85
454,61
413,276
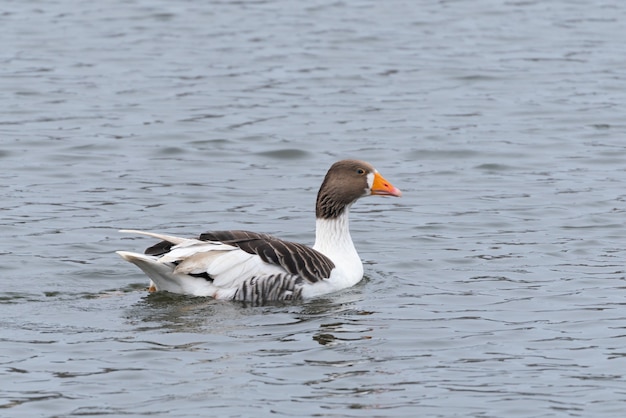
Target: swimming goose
257,268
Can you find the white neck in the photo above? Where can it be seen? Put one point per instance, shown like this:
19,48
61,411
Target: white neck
332,238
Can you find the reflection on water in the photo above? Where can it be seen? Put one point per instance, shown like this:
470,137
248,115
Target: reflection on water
171,313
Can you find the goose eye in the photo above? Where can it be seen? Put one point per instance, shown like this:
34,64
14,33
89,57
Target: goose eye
360,171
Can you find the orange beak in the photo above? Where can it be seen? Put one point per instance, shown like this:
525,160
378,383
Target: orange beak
383,188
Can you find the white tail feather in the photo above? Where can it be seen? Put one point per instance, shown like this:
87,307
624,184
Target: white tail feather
165,278
169,238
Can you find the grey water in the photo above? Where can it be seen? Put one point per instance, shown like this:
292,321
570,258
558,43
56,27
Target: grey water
495,287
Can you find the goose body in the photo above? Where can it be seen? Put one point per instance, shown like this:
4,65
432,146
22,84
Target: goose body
257,268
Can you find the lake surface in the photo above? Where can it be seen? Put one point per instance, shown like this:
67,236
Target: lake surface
495,287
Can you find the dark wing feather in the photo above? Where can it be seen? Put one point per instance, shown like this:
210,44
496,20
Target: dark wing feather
227,237
295,258
159,248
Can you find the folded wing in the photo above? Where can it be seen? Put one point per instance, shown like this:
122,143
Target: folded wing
239,264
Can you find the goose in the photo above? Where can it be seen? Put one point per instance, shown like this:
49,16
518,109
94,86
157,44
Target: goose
258,268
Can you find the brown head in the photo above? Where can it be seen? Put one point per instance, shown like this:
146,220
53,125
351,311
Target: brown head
346,182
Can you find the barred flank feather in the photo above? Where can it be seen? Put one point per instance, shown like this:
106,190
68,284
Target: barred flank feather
277,287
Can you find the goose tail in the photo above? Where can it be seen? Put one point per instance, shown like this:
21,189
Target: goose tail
164,277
